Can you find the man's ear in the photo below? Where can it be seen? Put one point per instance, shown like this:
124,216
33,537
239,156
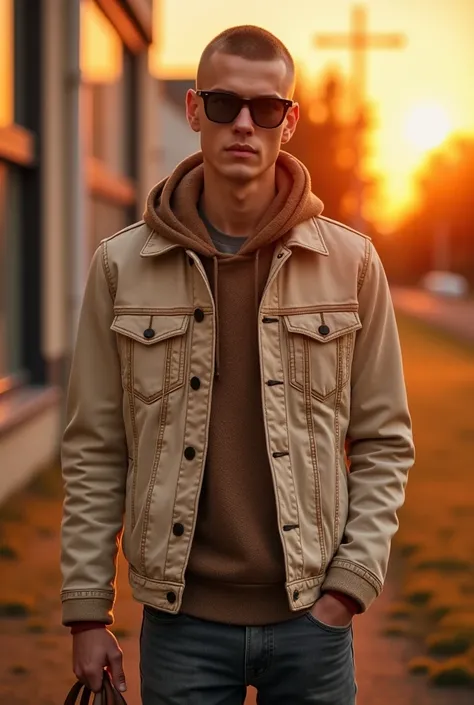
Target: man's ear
192,110
291,121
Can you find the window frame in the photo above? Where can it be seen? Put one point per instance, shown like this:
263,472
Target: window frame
103,182
20,148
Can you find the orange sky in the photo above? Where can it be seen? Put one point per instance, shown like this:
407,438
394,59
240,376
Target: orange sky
436,67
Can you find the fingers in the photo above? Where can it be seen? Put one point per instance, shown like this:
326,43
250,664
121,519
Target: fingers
89,658
115,659
93,651
91,675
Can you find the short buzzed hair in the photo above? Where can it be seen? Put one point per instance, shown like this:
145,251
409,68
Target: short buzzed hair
248,42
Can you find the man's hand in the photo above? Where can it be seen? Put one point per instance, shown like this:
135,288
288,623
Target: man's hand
331,612
94,650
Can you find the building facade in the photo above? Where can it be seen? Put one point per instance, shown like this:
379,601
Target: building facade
178,140
79,150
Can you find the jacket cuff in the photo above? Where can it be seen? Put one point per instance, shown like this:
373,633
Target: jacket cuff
352,584
90,609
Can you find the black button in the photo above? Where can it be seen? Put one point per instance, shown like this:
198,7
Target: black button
148,333
273,382
324,330
178,529
280,255
171,597
199,315
189,453
195,383
269,319
296,595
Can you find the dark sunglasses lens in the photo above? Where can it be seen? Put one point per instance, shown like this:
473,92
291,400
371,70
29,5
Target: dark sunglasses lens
268,112
223,108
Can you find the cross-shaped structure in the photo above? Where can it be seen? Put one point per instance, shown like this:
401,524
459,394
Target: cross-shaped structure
359,41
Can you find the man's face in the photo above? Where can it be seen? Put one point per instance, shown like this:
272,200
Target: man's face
247,79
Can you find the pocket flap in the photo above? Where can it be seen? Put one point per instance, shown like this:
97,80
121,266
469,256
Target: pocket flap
149,330
324,326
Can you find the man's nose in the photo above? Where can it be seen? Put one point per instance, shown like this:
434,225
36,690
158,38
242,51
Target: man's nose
243,121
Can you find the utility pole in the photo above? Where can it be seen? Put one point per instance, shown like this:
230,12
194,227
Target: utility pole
359,41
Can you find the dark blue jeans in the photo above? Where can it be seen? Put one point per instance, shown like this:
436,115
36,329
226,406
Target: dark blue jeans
188,661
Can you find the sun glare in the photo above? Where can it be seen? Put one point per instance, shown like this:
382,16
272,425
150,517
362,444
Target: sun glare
427,126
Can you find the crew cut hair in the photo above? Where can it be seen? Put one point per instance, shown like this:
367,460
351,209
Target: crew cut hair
248,42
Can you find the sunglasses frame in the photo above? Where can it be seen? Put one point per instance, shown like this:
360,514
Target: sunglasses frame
205,95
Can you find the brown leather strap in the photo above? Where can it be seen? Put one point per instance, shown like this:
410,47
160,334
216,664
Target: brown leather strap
73,694
98,699
107,695
86,696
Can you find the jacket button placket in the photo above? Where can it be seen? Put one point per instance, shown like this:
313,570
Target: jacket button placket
200,366
272,369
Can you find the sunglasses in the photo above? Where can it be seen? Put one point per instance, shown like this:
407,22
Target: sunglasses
225,107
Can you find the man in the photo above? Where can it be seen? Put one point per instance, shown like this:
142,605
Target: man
231,347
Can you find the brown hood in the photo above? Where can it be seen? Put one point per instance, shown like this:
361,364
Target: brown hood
171,207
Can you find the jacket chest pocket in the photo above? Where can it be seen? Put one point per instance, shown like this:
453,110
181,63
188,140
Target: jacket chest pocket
153,352
320,347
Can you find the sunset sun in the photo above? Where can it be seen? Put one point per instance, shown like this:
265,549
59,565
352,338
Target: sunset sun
427,126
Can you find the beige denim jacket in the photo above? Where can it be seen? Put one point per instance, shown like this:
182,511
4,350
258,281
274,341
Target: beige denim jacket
135,445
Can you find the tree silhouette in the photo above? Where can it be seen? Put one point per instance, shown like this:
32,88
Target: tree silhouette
325,142
444,185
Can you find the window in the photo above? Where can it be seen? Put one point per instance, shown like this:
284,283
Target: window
107,68
102,70
6,62
20,286
10,356
10,304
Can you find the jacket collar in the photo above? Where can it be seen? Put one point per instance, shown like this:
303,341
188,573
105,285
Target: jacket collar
307,235
156,244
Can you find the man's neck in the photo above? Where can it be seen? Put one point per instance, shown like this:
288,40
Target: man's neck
236,209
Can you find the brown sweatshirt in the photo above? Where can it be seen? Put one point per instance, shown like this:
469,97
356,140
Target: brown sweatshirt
236,571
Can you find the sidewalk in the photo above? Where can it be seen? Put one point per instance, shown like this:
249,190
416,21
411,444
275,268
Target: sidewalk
36,651
455,316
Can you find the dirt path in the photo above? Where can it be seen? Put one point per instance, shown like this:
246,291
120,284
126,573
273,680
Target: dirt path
35,649
454,316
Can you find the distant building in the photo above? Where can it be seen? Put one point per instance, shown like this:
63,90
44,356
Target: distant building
79,150
177,138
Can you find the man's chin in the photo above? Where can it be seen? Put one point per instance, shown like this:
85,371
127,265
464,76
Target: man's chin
240,173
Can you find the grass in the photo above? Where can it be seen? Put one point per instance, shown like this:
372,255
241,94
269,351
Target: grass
449,644
36,628
435,542
455,673
19,670
421,666
7,553
29,556
14,610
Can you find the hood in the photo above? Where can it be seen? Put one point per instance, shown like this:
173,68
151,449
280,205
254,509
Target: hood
171,207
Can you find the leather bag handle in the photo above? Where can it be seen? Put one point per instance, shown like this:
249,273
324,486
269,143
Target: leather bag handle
107,695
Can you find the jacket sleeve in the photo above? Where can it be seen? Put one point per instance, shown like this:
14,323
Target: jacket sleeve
94,459
380,442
